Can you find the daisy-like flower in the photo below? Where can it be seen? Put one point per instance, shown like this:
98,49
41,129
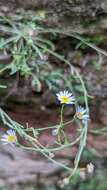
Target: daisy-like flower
9,138
65,97
82,114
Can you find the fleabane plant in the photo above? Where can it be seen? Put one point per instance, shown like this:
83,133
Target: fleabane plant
28,42
9,137
65,98
82,114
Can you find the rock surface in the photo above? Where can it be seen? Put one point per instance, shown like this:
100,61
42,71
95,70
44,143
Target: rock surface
17,167
81,16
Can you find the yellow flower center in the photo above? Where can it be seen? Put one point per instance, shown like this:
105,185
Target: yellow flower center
80,115
11,138
65,99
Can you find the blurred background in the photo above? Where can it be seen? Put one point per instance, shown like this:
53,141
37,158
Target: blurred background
30,76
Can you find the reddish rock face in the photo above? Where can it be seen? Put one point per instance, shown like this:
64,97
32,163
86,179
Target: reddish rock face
103,112
70,14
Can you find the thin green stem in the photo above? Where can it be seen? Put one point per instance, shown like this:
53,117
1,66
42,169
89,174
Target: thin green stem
61,124
51,127
62,110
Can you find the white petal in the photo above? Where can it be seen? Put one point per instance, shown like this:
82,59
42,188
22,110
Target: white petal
11,132
72,99
61,93
4,140
5,136
69,94
66,93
